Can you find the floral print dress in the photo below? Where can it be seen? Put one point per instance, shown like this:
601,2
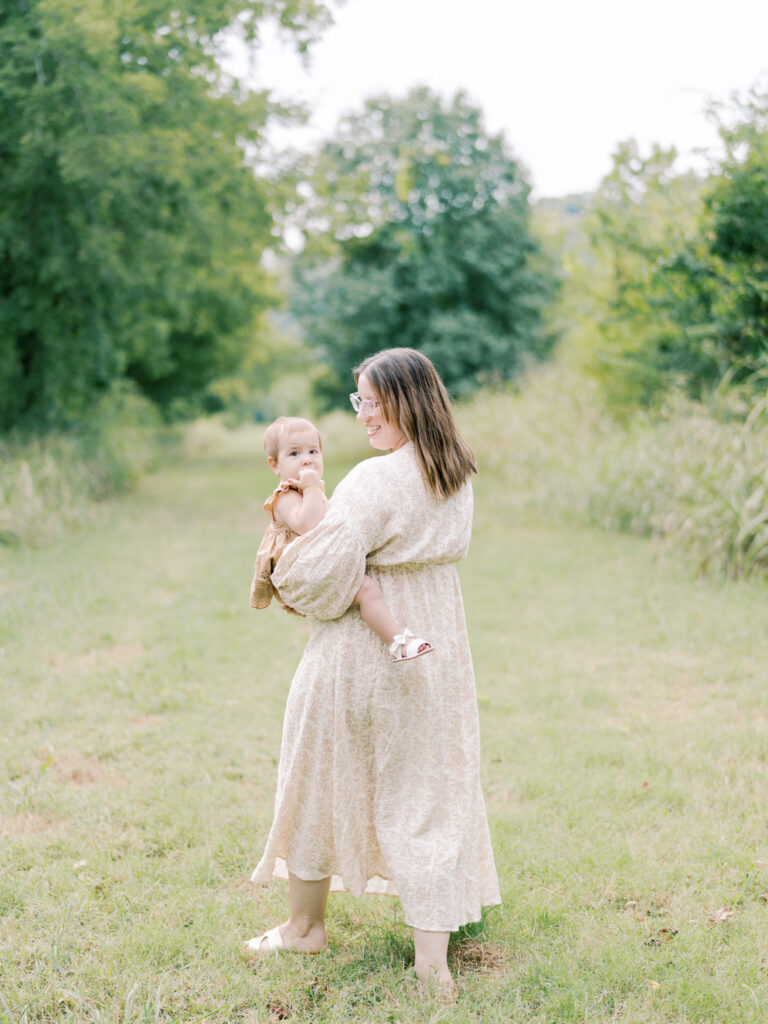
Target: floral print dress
379,775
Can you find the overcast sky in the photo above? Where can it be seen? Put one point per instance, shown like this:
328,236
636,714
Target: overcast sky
564,80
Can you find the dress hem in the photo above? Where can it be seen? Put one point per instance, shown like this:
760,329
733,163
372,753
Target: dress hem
376,885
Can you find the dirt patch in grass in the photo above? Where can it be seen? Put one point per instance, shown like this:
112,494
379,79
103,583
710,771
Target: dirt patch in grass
471,957
29,825
666,685
70,766
97,659
144,721
644,666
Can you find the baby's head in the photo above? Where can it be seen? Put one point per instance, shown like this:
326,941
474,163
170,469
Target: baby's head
291,443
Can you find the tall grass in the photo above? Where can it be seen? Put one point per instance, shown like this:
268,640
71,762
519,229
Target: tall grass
693,480
51,482
694,476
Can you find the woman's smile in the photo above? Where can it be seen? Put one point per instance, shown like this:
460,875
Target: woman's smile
382,435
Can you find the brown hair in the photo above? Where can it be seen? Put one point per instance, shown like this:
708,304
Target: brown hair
413,397
274,432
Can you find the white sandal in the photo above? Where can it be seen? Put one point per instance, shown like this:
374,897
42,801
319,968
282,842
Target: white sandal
405,646
274,943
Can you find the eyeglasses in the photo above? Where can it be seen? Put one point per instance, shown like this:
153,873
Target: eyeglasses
367,406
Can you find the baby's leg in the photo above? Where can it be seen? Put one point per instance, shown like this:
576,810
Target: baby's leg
378,617
374,610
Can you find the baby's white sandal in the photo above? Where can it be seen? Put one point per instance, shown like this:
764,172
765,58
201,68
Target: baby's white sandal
405,646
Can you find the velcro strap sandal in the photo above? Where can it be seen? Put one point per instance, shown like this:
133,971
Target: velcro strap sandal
405,646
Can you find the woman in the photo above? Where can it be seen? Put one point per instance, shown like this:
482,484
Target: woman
379,778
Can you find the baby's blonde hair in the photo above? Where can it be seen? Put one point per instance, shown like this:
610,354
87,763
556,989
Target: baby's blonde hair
274,432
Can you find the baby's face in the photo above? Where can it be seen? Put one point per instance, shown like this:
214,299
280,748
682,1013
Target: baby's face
299,449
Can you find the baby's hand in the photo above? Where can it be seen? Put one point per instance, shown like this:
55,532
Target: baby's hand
309,478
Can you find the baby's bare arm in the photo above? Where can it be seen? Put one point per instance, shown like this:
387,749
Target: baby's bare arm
302,512
312,508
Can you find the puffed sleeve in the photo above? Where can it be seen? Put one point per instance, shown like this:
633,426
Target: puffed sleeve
319,573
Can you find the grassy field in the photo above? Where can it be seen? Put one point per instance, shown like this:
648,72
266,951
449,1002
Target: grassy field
624,717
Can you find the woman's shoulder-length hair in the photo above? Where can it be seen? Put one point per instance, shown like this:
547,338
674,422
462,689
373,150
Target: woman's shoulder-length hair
412,395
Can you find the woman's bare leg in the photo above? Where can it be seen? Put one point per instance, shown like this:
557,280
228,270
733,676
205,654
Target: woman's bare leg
305,928
432,957
373,608
304,931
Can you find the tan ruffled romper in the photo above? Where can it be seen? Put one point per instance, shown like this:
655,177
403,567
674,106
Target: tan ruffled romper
273,544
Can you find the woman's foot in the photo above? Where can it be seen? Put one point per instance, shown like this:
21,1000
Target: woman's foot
431,964
287,938
437,982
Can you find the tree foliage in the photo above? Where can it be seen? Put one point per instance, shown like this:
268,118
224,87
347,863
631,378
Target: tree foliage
417,234
132,225
643,216
737,237
681,275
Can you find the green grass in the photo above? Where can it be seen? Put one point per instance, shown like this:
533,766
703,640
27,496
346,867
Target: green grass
625,740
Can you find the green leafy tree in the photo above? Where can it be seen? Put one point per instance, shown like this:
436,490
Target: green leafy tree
679,279
733,279
643,218
417,233
132,224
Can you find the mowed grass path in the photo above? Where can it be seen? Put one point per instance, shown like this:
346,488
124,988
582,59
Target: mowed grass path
624,714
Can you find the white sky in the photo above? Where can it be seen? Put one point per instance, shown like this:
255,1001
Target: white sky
564,80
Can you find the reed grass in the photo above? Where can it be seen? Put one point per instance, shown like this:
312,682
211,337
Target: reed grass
692,476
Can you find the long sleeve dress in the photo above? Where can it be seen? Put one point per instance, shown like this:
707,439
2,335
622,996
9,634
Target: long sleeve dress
379,775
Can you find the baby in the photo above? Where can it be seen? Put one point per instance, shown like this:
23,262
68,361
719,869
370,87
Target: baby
294,451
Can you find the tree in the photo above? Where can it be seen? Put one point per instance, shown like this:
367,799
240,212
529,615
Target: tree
132,225
736,273
644,217
417,233
681,294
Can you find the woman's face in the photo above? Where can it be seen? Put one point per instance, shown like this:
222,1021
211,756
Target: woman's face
382,434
